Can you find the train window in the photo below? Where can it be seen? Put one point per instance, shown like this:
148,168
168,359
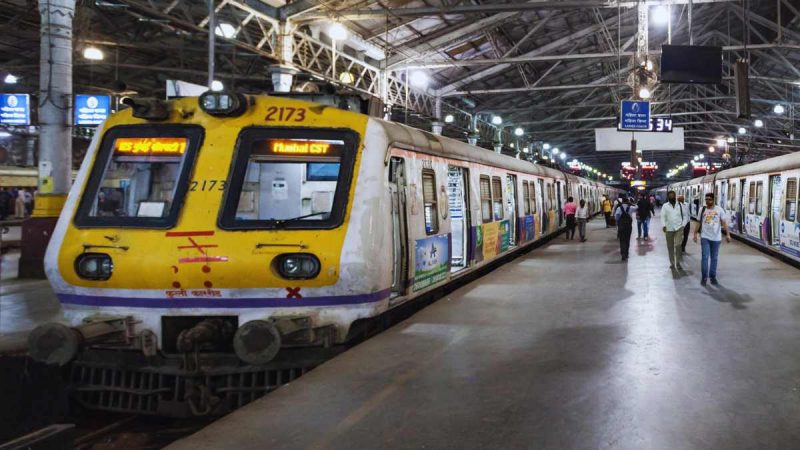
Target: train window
429,201
791,199
526,198
731,197
289,178
759,195
486,199
140,177
497,198
532,187
751,198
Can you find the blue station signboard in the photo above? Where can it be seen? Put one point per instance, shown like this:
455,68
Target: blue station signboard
15,109
91,110
634,116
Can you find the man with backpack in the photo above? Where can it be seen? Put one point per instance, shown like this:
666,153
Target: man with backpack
673,220
710,226
622,214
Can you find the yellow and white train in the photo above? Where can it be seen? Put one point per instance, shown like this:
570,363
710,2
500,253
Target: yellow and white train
231,226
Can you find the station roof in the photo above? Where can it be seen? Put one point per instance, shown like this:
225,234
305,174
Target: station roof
557,69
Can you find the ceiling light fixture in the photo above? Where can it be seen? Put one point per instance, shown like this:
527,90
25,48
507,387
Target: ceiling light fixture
226,30
779,109
10,79
519,131
758,123
419,79
93,54
497,120
337,31
449,118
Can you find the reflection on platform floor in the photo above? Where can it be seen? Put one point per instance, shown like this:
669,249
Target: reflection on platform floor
566,347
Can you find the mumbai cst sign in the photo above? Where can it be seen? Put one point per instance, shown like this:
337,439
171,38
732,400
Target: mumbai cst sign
634,116
91,109
15,109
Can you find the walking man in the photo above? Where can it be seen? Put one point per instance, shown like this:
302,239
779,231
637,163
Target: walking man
672,219
712,222
644,210
606,204
569,210
624,226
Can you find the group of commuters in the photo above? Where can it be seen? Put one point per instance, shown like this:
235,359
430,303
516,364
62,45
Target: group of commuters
15,202
676,217
577,215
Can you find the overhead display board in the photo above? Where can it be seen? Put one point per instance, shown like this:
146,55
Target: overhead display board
634,115
91,109
15,109
661,124
613,140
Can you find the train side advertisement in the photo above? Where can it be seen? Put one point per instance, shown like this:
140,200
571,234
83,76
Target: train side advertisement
432,262
790,238
491,239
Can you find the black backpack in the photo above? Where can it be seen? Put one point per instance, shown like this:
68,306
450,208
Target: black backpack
625,219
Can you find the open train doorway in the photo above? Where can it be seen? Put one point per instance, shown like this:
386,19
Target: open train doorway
775,200
397,189
458,201
511,209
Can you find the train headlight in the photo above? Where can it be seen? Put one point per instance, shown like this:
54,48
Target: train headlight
223,103
297,266
94,266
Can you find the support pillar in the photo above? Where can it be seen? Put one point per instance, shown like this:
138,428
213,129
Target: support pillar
282,78
55,128
437,127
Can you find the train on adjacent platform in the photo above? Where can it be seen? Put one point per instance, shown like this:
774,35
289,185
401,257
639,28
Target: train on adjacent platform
204,235
760,198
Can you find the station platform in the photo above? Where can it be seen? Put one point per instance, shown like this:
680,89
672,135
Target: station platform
565,347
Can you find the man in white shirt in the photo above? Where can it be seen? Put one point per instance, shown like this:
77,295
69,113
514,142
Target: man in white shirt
673,219
713,221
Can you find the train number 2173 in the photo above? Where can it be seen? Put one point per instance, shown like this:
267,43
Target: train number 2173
285,114
207,185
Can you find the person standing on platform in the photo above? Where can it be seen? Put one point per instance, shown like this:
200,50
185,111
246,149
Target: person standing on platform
712,222
623,215
644,210
569,210
582,216
5,198
19,204
672,219
606,204
686,226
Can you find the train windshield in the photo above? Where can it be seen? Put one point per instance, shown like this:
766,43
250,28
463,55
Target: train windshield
289,179
137,178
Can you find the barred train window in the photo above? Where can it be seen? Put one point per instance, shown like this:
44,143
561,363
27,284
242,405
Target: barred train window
497,198
526,198
532,187
486,199
791,199
429,201
759,194
751,198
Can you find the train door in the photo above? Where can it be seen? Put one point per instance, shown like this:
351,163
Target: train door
542,206
511,208
558,205
458,203
775,200
740,206
397,189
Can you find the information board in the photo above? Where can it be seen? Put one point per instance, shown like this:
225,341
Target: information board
15,109
661,124
91,109
635,115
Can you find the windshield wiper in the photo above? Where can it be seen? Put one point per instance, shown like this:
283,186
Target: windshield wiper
282,221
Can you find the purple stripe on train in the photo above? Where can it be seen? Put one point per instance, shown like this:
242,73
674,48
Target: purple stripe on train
218,302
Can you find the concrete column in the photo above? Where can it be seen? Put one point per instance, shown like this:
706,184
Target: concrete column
55,98
55,133
498,147
472,139
283,73
436,128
